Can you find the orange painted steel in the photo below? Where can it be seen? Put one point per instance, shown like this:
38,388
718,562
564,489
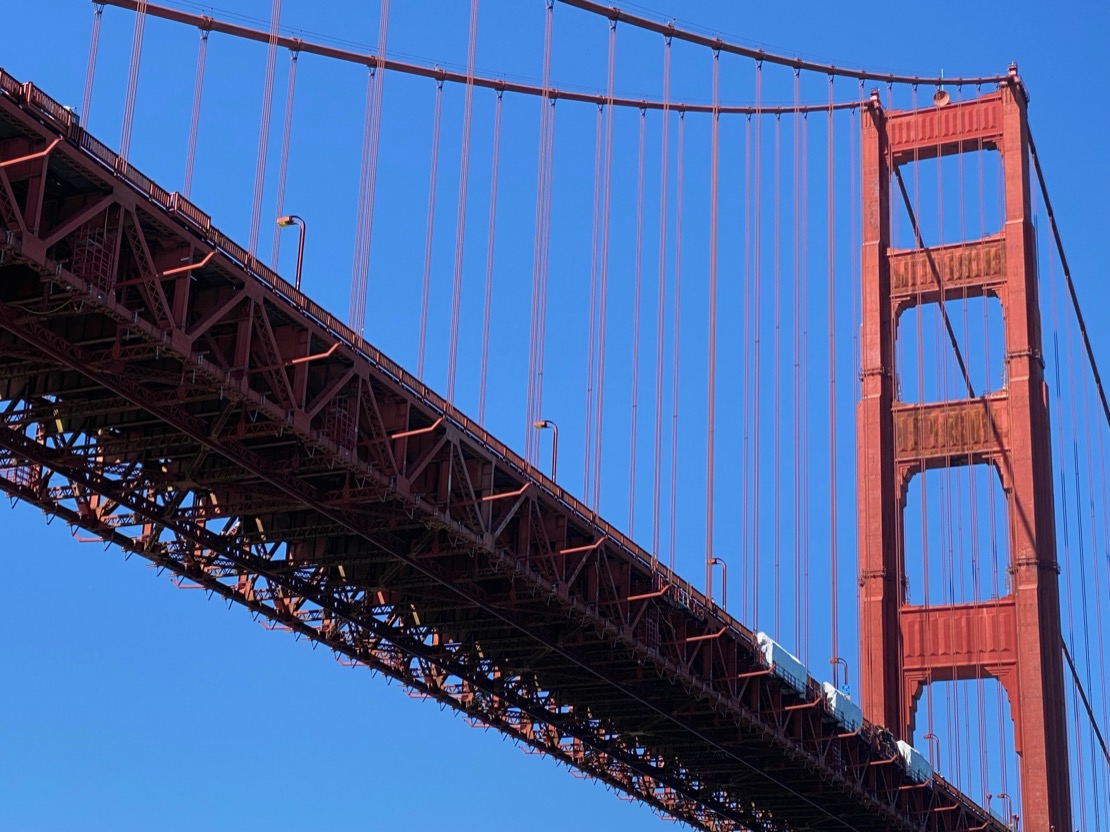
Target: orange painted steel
344,500
211,24
1014,639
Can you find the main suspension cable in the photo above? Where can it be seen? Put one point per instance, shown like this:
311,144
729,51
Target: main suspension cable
1086,701
1068,279
935,272
715,43
450,77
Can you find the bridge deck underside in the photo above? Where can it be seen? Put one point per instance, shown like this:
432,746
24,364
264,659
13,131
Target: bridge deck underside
163,391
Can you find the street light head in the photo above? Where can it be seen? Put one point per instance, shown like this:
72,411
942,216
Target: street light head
285,222
540,424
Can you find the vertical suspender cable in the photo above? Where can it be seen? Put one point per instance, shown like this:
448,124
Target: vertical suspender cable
944,513
664,164
591,340
194,122
132,78
745,361
599,401
757,325
919,304
1068,563
361,246
429,227
803,643
977,558
264,128
998,587
283,164
671,515
375,82
855,188
797,336
711,380
637,272
746,364
484,366
1102,479
545,249
966,541
1079,320
1082,558
530,445
90,69
866,444
973,502
855,197
1068,281
832,387
460,215
1100,597
895,224
1088,443
778,388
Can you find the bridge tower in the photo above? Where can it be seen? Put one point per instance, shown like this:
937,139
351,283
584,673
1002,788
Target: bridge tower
1016,638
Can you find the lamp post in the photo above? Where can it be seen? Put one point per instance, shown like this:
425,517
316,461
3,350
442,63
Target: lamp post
934,740
545,424
837,663
1009,809
285,222
716,561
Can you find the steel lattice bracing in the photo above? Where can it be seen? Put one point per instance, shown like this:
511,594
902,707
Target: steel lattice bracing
165,392
1016,638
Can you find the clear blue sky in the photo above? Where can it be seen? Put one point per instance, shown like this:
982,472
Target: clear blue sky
129,704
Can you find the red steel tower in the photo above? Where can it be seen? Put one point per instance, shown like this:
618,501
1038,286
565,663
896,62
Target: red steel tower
1014,639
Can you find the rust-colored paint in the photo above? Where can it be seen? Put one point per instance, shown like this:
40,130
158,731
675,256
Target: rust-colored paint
342,499
1015,639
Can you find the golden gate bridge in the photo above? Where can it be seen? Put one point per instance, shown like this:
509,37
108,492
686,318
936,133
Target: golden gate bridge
167,392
